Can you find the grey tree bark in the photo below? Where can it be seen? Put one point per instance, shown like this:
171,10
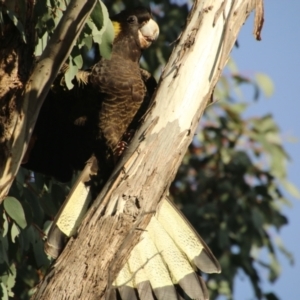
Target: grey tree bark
114,223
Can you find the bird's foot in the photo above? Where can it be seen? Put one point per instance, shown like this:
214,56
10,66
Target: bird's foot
120,148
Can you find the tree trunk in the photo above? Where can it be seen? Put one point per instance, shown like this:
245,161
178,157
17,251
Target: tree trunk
90,262
16,59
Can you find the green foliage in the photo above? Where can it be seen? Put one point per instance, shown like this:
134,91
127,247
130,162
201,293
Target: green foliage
34,200
229,185
97,30
7,282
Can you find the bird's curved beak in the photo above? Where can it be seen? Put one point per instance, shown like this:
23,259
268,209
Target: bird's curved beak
148,33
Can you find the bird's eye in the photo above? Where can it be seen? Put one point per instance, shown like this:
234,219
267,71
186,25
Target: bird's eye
132,20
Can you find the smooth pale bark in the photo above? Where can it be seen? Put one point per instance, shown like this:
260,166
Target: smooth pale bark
113,225
22,122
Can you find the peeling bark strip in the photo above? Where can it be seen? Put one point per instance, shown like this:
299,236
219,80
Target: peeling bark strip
259,19
90,263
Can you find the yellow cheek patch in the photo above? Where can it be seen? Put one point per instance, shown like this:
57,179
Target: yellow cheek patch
117,27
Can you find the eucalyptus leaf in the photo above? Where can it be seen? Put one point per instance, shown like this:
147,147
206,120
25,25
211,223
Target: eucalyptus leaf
9,280
78,60
14,232
238,108
88,41
17,23
32,200
39,181
4,259
5,225
4,291
257,218
291,188
38,248
274,269
107,40
27,237
265,83
232,66
97,15
107,34
70,74
15,210
283,250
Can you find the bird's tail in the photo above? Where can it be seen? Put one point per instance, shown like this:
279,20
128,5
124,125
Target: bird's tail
167,260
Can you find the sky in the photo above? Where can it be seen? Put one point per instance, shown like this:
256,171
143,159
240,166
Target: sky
278,56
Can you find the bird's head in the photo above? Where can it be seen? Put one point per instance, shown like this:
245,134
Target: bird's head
135,25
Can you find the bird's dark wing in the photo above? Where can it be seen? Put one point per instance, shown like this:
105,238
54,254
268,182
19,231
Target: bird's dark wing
94,117
64,135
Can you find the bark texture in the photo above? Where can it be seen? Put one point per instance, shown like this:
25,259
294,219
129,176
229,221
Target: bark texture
16,59
111,228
